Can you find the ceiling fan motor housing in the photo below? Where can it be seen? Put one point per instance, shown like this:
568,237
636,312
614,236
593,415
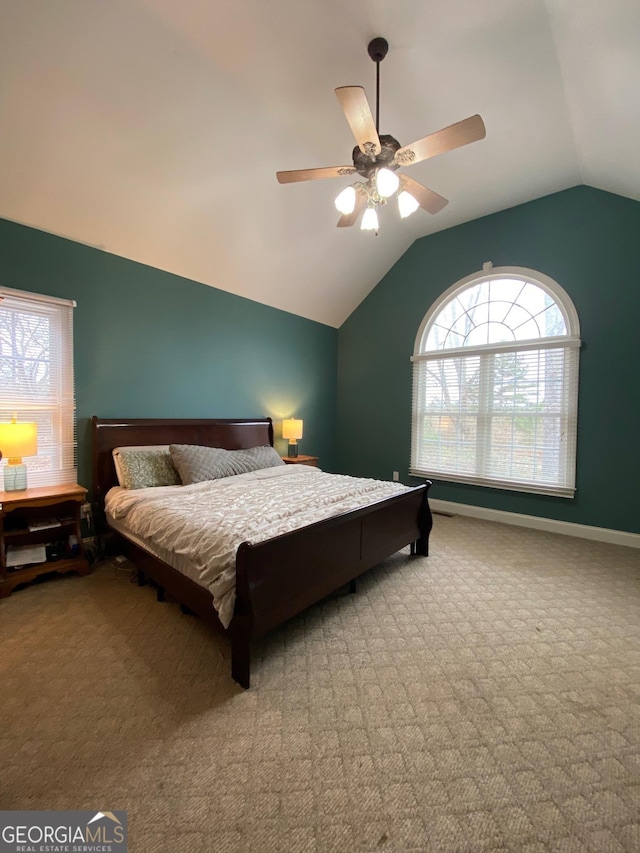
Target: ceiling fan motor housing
367,165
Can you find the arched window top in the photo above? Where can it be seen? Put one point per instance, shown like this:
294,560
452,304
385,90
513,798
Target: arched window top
498,306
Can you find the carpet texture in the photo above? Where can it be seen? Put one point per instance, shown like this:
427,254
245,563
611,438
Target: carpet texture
484,698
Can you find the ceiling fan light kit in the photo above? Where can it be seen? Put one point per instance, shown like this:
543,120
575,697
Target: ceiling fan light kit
370,220
377,158
346,200
407,204
387,182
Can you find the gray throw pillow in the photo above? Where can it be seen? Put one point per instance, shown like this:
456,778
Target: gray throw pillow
196,463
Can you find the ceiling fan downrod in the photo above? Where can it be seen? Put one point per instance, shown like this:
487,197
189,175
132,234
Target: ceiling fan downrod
377,49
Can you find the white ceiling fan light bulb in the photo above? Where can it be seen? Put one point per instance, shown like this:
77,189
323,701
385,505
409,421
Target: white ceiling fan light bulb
369,220
387,182
346,201
406,204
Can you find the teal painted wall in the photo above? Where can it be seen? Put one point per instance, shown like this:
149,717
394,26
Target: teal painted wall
589,242
151,344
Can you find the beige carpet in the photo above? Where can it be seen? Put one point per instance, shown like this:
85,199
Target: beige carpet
484,698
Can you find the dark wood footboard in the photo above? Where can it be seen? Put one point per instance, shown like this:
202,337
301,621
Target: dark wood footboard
280,577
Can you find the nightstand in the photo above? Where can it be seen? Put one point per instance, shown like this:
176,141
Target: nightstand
45,516
300,460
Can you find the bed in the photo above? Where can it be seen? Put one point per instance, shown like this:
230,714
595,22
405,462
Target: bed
275,578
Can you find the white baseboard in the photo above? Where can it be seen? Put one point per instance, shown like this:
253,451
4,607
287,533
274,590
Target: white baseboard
551,525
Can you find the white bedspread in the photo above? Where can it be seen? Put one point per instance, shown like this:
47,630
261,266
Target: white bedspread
206,522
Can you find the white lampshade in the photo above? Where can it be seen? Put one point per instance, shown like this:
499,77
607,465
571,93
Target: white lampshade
346,201
406,204
18,439
369,220
387,182
292,429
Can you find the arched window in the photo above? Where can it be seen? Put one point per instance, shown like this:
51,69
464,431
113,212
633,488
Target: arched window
495,384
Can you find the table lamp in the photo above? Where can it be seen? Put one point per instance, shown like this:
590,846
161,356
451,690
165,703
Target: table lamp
292,429
17,440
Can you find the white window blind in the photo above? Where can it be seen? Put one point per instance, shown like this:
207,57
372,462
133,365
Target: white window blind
36,380
495,385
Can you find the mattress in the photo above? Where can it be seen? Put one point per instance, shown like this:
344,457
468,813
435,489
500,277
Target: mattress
200,527
176,561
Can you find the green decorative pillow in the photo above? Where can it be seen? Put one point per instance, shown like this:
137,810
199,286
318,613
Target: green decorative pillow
141,468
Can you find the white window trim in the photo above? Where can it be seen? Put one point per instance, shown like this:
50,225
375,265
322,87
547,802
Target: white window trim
520,346
36,297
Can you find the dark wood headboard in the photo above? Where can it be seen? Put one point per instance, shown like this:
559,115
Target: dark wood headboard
115,432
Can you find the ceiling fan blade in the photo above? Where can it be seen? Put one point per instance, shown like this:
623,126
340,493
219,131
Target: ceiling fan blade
313,174
426,198
348,219
462,133
358,113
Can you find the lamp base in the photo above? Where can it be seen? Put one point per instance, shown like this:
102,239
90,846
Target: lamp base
15,477
292,451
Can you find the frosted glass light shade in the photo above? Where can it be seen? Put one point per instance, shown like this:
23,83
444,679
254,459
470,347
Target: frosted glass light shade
369,220
406,204
346,201
387,182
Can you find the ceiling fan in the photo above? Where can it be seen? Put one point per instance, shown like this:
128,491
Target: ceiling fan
377,158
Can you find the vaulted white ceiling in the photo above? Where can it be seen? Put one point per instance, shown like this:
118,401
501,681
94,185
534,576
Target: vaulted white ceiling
153,129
